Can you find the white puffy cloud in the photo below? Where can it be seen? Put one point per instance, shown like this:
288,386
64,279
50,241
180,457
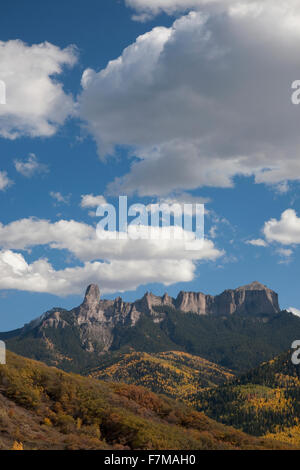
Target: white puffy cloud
89,200
177,165
286,230
40,276
83,242
36,103
5,181
202,101
117,265
178,205
30,167
148,8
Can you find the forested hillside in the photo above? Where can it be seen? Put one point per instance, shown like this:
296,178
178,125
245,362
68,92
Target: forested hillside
174,373
45,408
237,342
263,401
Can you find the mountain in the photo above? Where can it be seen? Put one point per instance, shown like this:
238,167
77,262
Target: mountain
252,298
45,408
237,329
263,402
175,374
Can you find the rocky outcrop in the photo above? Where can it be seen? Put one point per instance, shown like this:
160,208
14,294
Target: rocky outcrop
95,321
250,299
195,302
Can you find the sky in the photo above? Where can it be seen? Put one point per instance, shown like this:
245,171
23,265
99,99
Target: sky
177,101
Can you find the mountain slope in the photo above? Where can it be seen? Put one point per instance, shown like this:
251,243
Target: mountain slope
265,401
238,329
176,374
76,412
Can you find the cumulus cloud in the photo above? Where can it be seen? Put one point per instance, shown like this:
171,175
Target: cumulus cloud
179,205
40,276
202,101
89,200
286,230
115,264
30,167
36,103
5,181
83,242
148,8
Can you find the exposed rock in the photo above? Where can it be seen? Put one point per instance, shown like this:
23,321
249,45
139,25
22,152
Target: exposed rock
253,298
195,302
92,297
54,321
95,320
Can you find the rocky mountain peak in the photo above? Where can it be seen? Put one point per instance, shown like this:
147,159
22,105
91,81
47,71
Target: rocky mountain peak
251,298
254,298
98,318
255,285
100,323
92,296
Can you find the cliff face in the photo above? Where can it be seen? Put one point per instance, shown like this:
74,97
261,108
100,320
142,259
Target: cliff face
95,321
253,298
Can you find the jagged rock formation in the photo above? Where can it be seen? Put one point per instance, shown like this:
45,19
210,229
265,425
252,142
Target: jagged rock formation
253,298
94,319
80,336
97,318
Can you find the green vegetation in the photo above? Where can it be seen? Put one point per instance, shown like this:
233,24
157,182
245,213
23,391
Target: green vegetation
45,408
59,347
263,401
239,342
175,374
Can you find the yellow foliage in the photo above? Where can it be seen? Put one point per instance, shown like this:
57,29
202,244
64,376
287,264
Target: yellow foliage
288,435
47,422
17,446
175,373
78,423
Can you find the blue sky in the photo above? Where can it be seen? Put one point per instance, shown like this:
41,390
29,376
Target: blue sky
186,114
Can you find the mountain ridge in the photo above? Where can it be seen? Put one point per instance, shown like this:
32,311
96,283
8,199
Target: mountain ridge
239,300
217,328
